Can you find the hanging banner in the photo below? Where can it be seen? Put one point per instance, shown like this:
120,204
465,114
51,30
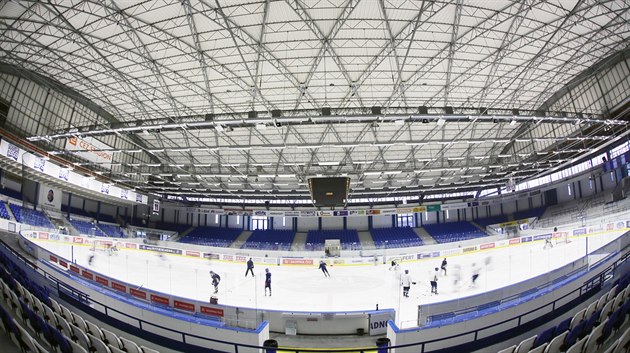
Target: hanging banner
93,150
49,196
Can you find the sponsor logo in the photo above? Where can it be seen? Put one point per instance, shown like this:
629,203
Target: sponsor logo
13,152
373,212
340,261
102,280
192,253
515,241
39,164
579,231
292,213
64,174
184,306
297,261
63,263
53,258
325,213
88,275
75,269
43,235
139,198
160,249
260,213
77,240
119,287
486,246
228,257
620,225
340,213
308,213
212,311
240,258
526,239
105,188
211,256
158,299
138,293
469,249
388,211
124,194
54,236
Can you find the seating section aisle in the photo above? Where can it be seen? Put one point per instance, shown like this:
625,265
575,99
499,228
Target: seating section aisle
212,236
4,213
395,237
270,240
349,239
29,216
86,228
455,231
111,230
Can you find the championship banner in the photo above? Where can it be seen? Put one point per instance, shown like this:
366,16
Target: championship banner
92,150
49,196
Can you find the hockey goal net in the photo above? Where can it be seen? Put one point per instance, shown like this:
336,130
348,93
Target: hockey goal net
561,237
98,245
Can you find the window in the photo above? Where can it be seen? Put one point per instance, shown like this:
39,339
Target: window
259,223
284,221
216,218
590,183
404,220
569,189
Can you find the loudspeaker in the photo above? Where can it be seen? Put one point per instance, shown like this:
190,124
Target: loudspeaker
326,111
252,114
276,113
423,109
376,110
448,110
515,112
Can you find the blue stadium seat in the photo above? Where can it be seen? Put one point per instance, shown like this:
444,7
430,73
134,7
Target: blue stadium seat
395,237
315,239
454,231
212,236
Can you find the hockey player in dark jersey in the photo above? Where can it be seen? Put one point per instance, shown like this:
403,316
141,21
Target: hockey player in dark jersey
215,281
267,281
322,266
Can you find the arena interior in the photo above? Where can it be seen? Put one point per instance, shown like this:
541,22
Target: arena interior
314,176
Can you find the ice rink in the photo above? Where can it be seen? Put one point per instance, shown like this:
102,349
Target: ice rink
350,288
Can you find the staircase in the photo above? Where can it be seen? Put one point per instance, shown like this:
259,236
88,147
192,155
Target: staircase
366,240
238,242
298,242
176,237
427,239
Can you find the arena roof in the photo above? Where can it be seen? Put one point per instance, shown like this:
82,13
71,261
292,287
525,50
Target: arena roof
248,99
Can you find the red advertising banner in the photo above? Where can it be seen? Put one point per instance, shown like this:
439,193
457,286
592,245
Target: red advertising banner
184,306
138,293
63,263
87,275
486,246
77,240
119,287
212,311
131,245
75,269
515,241
101,280
53,258
43,235
158,299
193,253
297,261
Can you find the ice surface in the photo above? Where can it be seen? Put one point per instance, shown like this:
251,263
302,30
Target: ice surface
350,288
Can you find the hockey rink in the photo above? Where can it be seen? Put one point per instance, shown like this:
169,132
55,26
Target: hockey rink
349,288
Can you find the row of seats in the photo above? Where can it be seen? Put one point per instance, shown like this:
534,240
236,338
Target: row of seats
315,239
4,213
395,237
29,216
112,230
212,236
29,321
455,231
587,330
87,228
269,240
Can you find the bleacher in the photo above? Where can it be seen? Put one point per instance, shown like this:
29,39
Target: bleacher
76,211
589,329
30,216
4,213
37,323
173,227
484,222
106,218
86,228
395,237
455,231
11,193
111,230
534,212
269,240
349,239
212,236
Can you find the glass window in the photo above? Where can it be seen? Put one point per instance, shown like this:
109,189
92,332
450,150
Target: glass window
404,220
259,222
